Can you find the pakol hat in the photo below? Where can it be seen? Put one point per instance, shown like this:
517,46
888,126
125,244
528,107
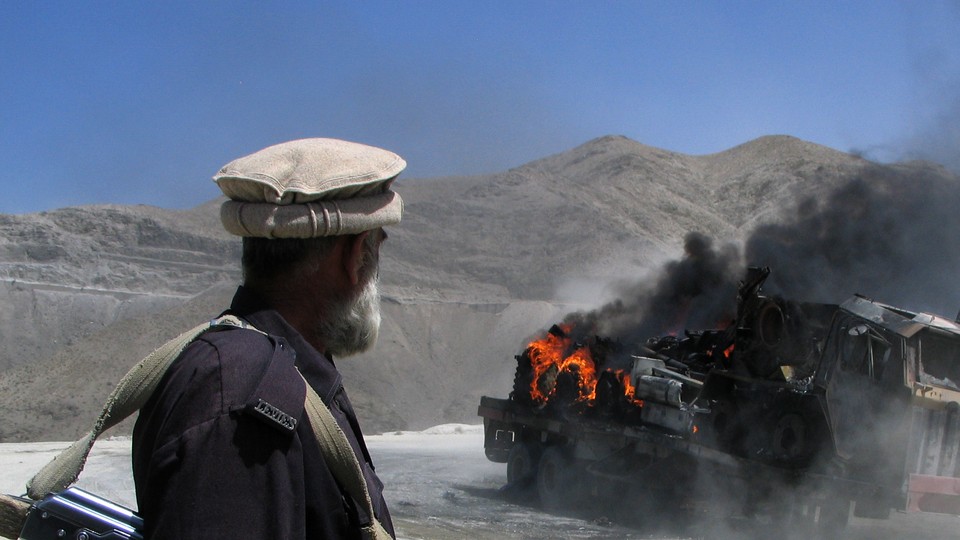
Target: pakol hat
309,188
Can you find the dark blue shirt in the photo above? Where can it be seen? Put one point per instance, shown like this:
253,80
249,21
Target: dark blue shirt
207,464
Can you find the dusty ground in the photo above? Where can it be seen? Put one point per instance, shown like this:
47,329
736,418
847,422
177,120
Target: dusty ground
440,486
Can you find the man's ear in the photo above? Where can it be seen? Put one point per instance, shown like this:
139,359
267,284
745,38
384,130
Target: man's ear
353,262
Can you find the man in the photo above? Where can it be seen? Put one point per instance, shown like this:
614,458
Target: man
223,448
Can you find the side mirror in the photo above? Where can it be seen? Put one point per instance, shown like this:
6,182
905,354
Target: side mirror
859,330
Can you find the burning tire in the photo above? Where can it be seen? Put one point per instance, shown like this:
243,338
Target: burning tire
522,380
556,479
522,463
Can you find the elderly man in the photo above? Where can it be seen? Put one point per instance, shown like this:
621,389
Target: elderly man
223,448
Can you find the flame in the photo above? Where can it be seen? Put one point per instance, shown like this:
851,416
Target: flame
549,357
628,388
728,351
550,352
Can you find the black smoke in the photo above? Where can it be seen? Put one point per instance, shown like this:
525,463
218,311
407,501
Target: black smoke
696,291
891,233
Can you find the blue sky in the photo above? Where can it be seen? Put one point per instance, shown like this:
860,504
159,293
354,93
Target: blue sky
141,103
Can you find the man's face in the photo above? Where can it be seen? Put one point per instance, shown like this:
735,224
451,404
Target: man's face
353,324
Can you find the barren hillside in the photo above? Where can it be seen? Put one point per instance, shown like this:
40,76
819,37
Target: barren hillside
477,266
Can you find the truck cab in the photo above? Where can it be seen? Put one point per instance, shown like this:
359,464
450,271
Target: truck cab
892,384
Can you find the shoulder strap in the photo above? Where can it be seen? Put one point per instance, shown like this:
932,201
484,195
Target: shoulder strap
133,390
136,387
341,459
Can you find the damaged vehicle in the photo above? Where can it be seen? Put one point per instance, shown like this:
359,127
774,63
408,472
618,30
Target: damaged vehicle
797,411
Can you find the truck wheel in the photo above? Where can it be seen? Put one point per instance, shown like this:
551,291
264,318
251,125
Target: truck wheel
834,517
871,508
727,429
556,478
790,443
522,462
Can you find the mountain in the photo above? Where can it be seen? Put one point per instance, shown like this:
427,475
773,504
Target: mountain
598,209
478,265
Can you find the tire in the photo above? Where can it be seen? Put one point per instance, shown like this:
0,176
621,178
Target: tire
522,463
790,443
556,480
522,380
797,437
726,431
833,519
871,508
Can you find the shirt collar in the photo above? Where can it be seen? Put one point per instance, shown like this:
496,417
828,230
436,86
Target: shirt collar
319,369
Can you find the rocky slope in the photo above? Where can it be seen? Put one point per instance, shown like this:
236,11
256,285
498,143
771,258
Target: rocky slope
478,265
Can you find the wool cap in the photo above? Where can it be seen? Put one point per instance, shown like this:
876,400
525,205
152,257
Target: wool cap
309,188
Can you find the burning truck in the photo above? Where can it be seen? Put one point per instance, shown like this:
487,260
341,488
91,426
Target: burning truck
793,410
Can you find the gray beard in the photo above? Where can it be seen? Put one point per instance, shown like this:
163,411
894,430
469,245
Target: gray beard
352,327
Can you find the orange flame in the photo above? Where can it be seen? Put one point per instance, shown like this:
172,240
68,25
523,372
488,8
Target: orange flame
548,358
549,352
628,388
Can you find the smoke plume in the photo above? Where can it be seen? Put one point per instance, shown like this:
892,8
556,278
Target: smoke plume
891,233
695,290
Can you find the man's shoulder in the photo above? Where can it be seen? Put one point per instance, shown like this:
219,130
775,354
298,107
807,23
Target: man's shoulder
220,360
228,371
227,362
236,345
